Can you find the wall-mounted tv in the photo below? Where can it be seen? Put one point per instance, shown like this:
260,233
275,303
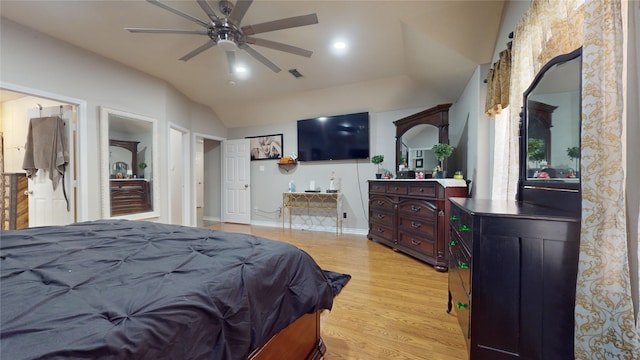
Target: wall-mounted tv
341,137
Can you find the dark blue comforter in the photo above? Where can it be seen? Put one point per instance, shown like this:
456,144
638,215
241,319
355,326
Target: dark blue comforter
122,289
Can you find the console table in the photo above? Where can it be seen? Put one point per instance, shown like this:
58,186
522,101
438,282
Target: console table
312,200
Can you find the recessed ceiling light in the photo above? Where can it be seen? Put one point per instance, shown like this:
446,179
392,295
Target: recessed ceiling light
339,45
241,69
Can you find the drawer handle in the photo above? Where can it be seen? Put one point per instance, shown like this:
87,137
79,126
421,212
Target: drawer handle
463,265
395,188
462,305
453,243
415,225
381,216
464,228
416,208
421,190
380,230
453,217
380,202
416,243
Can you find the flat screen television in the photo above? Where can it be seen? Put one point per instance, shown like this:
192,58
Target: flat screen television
341,137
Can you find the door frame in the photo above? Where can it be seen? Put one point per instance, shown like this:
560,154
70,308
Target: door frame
194,201
82,171
186,165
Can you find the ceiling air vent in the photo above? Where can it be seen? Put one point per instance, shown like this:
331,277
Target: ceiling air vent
296,74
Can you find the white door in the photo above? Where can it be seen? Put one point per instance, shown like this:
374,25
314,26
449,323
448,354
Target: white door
237,177
176,176
48,206
199,164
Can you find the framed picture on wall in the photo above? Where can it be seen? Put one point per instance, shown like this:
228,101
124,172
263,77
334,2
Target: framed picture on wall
265,147
419,164
418,153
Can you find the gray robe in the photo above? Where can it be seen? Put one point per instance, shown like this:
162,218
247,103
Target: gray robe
46,148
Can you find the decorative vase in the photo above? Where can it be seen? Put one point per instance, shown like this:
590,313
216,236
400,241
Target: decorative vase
378,176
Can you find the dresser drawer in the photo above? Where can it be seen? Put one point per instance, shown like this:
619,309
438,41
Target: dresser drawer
421,228
381,217
460,264
397,189
381,203
381,232
461,303
461,223
416,243
423,189
377,187
418,208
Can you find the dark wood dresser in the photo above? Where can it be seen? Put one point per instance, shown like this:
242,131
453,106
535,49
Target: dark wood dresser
412,216
130,196
512,278
15,202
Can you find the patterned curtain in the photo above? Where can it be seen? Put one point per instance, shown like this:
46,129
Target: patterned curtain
605,327
605,324
548,29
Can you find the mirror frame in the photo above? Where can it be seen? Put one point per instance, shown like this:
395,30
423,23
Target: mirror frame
105,142
554,194
437,116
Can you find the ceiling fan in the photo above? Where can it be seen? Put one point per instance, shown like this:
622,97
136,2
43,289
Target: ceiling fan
226,32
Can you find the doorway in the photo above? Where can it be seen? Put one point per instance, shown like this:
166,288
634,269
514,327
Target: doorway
208,180
40,202
178,167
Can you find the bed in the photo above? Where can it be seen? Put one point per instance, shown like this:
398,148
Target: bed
122,289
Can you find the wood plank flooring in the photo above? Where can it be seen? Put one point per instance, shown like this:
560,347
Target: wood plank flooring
394,307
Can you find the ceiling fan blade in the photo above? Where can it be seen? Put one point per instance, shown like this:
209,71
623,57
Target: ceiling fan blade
197,51
178,12
279,46
256,55
165,31
231,61
204,4
239,10
287,23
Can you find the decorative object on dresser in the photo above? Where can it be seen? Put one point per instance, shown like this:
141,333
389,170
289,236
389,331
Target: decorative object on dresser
378,159
412,216
513,264
442,152
15,202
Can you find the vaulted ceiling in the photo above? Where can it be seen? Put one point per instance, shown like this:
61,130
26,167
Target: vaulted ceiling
433,45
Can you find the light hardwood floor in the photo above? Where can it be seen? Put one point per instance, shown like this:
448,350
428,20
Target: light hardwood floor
394,307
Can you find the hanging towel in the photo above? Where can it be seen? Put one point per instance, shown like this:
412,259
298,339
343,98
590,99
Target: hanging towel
46,148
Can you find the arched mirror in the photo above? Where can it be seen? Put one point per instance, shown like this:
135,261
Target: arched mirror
416,134
128,158
550,134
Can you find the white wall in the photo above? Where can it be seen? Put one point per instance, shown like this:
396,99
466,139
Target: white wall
268,181
34,60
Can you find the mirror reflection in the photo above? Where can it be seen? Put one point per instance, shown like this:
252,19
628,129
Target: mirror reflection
128,161
553,124
415,152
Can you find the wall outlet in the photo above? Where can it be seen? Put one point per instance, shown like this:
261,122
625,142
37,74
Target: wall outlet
344,215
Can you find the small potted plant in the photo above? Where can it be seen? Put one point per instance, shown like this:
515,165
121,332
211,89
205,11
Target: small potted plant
142,165
441,152
535,150
378,159
574,154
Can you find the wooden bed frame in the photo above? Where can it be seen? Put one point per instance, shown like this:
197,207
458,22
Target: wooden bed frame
300,340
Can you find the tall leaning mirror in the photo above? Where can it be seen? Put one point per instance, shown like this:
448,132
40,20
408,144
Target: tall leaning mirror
128,153
550,137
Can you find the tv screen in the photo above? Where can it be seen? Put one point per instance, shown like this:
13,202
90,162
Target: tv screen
341,137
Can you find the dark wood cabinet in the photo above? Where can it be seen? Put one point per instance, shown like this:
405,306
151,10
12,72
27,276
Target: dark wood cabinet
411,216
512,278
130,196
15,202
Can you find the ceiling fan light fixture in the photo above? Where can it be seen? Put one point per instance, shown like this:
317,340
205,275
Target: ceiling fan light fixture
227,45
